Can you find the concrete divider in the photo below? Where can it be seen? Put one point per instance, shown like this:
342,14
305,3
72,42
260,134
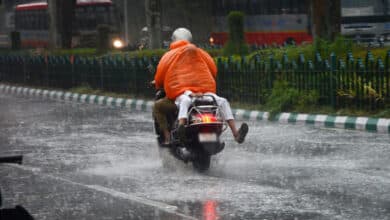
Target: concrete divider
380,125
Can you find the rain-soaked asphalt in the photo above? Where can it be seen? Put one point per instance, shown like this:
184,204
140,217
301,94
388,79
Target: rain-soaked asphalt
92,162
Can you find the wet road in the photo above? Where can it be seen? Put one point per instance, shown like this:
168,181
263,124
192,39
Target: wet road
92,162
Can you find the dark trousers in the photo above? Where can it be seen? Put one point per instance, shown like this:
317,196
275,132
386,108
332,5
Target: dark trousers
164,109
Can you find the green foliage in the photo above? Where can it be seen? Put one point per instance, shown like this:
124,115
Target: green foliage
75,51
340,46
214,52
236,43
359,84
84,89
15,40
286,98
146,53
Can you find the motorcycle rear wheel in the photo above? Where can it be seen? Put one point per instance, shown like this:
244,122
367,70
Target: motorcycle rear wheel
202,162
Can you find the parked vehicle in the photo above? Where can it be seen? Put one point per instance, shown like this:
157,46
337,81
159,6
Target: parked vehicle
366,21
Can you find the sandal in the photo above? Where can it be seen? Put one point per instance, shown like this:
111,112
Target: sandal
242,132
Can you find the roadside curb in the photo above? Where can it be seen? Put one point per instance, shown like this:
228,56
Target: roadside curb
379,125
81,98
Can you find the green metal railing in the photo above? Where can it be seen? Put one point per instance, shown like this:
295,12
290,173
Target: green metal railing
362,83
349,82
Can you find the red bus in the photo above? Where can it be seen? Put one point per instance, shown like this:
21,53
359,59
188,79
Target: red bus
31,20
265,22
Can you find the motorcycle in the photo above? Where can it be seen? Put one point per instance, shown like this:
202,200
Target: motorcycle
202,132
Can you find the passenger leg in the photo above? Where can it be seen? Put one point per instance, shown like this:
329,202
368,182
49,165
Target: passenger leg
227,115
184,102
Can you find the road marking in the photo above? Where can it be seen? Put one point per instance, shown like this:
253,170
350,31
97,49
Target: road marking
121,195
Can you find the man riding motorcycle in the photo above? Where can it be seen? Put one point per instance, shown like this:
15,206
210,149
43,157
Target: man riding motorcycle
184,72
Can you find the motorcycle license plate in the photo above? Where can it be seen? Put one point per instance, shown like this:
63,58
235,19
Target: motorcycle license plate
207,137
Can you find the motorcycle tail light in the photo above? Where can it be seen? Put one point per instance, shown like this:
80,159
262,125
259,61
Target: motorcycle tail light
208,118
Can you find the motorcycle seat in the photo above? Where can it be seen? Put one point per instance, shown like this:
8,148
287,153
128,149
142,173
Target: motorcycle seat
209,101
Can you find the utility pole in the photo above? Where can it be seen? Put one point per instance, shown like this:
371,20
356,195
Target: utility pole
153,21
61,14
126,22
53,31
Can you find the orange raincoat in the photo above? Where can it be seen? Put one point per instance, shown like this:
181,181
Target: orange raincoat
185,67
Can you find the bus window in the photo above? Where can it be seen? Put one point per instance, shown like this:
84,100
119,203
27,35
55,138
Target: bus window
101,9
241,5
356,3
274,7
362,7
102,15
261,7
285,6
26,24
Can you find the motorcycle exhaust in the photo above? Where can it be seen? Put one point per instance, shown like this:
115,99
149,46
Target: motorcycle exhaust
184,154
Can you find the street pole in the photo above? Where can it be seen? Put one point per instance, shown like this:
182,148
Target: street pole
53,31
153,20
126,22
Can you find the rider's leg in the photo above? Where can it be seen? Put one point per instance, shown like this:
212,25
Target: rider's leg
162,108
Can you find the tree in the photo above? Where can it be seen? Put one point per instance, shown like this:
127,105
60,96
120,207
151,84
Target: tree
61,13
326,18
236,42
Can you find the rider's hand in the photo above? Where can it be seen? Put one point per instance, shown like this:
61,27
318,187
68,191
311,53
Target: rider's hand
152,83
198,94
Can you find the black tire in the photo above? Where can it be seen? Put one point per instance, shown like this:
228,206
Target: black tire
202,162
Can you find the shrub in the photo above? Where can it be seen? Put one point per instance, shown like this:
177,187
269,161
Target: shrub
340,46
236,43
286,98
